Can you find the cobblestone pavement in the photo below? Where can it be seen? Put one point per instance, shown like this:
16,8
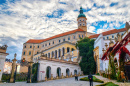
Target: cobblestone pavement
114,81
59,82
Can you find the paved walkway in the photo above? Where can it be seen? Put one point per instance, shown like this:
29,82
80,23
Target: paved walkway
59,82
114,81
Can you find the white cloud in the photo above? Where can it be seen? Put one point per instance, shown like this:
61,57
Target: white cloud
27,19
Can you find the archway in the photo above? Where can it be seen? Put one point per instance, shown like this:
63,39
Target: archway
59,71
75,72
48,72
67,72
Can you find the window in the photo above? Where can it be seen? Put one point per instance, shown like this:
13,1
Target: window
63,40
30,46
83,24
104,38
45,44
37,52
83,19
80,25
46,55
29,52
25,46
68,38
82,36
112,36
23,53
42,45
79,36
49,43
68,49
80,20
38,46
122,34
59,41
72,49
53,42
38,57
73,37
107,37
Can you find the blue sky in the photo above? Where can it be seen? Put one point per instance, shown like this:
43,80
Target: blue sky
21,20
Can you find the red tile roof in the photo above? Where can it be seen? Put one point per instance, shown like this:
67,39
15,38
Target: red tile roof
108,32
56,36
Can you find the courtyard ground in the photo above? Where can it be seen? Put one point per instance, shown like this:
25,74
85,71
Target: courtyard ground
59,82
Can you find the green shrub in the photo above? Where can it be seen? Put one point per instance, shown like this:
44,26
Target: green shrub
94,79
108,84
5,77
97,74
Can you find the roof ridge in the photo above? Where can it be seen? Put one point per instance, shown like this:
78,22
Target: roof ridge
55,36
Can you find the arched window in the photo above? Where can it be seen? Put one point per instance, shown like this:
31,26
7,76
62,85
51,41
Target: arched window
63,51
73,37
72,49
48,55
38,46
52,54
25,46
24,53
79,36
82,36
104,38
80,24
68,49
112,36
107,37
59,41
29,52
30,46
37,52
63,40
42,45
45,44
59,53
68,38
49,43
53,42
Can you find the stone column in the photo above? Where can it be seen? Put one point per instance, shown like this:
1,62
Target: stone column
13,69
30,72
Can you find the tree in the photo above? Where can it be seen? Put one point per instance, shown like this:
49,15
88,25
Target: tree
86,47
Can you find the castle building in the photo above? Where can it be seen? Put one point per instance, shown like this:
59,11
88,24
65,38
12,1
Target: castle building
57,46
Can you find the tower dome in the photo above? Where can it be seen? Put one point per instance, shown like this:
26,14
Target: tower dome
81,13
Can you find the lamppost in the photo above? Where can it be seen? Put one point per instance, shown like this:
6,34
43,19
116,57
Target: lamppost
13,69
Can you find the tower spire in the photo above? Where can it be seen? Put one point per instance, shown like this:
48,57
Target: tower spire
81,10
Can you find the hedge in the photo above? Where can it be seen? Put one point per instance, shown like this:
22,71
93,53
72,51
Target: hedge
94,79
